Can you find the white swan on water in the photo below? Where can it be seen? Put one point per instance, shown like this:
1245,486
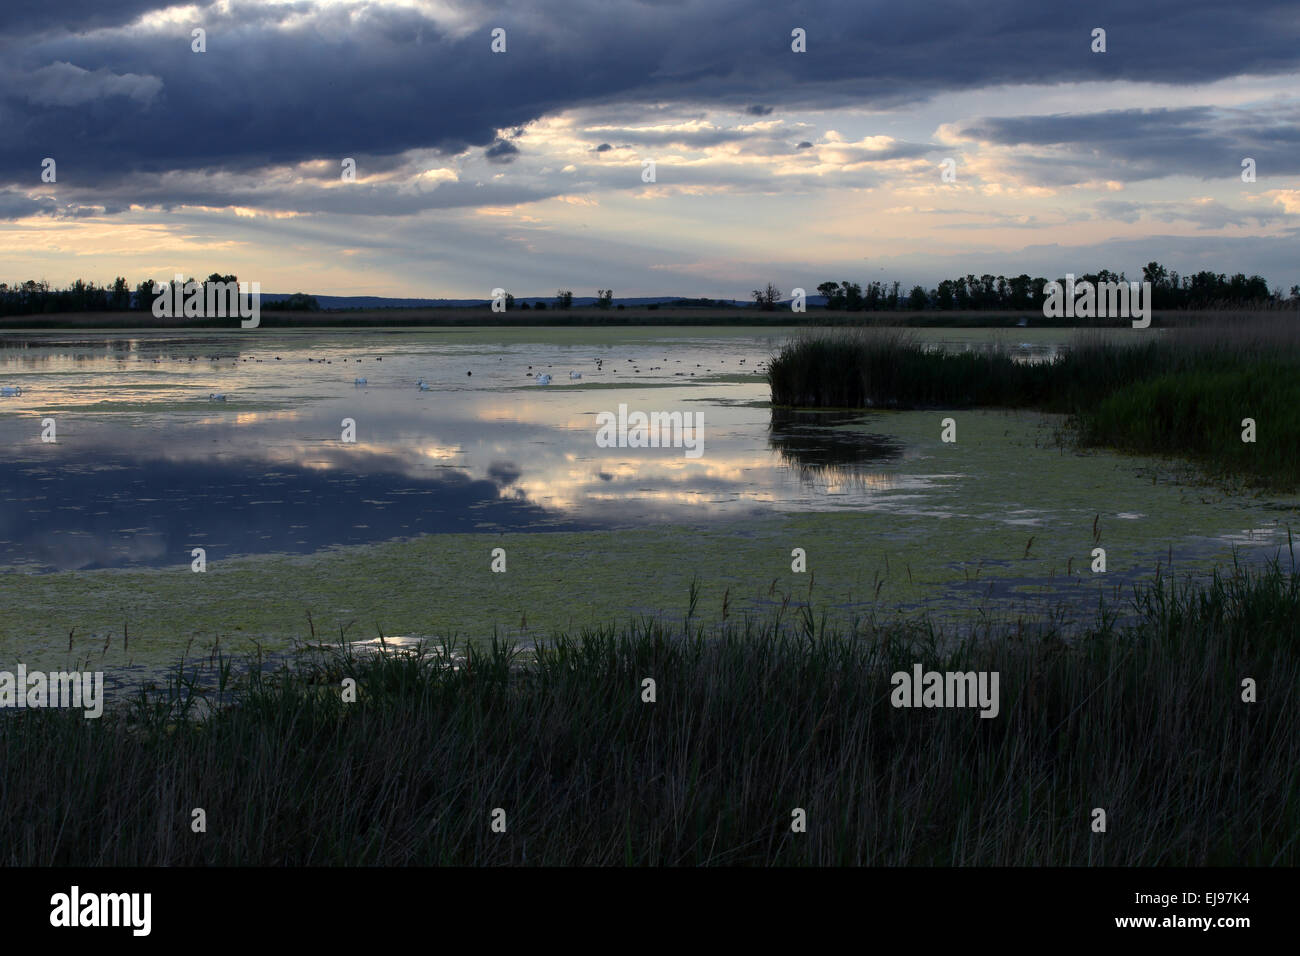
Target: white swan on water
216,396
422,385
544,379
575,375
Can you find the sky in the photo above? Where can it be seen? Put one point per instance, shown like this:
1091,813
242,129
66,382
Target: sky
526,169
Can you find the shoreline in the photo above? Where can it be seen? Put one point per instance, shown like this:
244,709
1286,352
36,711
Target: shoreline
438,318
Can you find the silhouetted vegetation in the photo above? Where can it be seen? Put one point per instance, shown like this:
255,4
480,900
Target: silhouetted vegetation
1184,393
38,297
35,297
1169,290
298,302
767,298
700,303
750,722
970,293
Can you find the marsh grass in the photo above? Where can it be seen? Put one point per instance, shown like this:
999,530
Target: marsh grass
1144,720
1187,394
1183,393
886,368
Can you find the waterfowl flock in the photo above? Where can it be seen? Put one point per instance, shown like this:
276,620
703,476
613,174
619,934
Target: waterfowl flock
539,377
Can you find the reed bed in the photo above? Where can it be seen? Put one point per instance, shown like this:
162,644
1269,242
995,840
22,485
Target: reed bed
1145,720
1183,392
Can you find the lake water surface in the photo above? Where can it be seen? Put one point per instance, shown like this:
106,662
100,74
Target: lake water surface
394,530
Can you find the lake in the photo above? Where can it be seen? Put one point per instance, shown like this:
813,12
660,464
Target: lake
394,532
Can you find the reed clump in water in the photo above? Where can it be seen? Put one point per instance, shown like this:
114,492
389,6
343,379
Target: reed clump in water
886,368
1185,392
1189,395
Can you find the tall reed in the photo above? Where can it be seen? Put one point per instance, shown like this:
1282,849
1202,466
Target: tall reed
1184,391
1145,720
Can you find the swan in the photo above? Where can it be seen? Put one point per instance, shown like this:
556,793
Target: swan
544,379
361,381
575,375
216,397
9,391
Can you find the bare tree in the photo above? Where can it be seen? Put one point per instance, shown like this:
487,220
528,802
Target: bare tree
766,299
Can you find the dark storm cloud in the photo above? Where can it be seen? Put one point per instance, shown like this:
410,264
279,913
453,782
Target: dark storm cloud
501,152
25,18
16,205
1131,145
1105,127
289,82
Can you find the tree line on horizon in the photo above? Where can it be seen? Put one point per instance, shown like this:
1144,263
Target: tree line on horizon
1022,293
1201,290
38,297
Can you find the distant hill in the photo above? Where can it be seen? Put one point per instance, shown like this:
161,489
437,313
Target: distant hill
385,302
343,302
